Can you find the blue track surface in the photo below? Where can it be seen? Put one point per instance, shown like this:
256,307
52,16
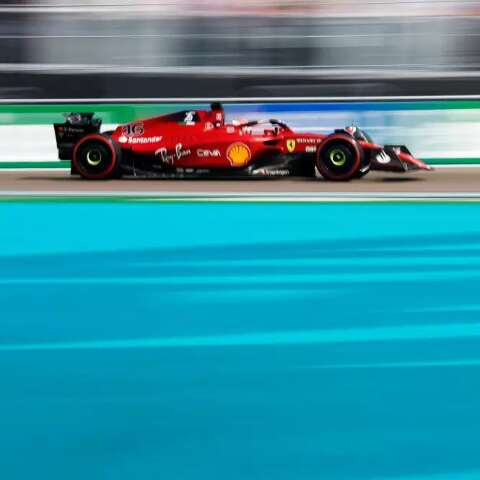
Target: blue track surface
239,341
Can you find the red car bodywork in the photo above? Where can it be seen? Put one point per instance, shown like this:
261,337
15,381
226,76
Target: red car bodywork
200,140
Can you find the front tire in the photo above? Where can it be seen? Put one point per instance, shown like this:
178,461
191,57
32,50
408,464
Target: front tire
339,158
96,157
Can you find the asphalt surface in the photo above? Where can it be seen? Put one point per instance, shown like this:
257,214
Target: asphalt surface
444,180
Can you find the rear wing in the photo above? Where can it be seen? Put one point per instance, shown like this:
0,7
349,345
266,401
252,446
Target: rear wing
75,127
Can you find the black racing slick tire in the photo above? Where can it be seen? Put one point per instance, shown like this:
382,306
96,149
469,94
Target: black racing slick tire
365,166
339,158
97,157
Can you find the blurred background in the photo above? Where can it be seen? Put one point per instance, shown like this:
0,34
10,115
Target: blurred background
238,48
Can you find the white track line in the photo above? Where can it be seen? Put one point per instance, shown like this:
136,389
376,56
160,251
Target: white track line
252,197
460,165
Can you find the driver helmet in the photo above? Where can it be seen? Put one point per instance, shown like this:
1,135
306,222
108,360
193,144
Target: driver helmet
352,130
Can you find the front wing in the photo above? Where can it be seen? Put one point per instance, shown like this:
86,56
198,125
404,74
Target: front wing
396,158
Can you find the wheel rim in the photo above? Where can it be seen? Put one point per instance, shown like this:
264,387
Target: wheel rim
338,157
94,157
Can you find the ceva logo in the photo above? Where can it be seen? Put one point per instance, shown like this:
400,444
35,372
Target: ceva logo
208,153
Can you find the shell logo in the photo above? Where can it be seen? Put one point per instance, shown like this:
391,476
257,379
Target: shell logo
238,154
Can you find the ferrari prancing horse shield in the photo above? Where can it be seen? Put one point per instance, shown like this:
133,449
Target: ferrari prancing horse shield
291,145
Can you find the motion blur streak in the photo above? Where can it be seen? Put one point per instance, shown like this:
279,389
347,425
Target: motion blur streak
286,341
57,37
238,48
446,363
355,335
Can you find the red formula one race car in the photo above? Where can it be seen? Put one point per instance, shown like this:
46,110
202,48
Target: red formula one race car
200,143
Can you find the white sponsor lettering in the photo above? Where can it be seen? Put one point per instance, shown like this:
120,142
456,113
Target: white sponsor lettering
189,118
171,158
139,140
383,158
271,172
309,140
310,149
208,153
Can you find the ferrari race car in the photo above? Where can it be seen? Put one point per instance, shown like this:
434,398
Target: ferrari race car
200,143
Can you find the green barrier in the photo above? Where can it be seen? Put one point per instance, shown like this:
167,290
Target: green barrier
45,164
40,114
110,113
440,132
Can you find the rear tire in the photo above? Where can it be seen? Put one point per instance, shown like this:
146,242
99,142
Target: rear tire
339,158
97,157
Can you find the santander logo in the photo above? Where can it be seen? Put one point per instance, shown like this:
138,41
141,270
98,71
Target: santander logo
139,140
